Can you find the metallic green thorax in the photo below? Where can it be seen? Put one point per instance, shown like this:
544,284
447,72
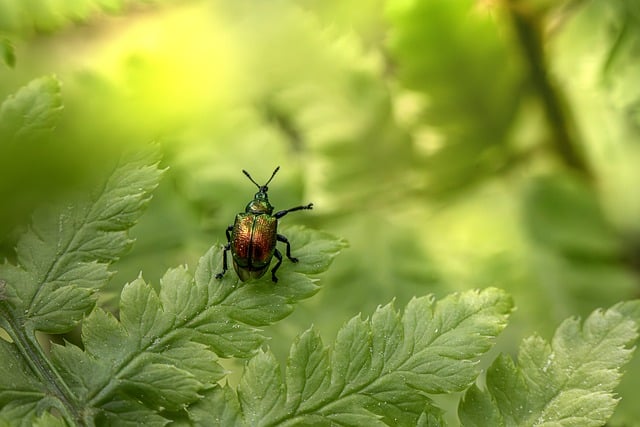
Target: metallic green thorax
260,203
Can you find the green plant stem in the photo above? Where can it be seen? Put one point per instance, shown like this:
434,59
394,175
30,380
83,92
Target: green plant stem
564,138
28,346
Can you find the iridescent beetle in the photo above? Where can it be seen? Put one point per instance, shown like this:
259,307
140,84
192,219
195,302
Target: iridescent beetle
253,236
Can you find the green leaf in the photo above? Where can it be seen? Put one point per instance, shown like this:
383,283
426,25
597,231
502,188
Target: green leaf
101,332
220,407
432,418
164,350
578,249
141,313
479,409
48,420
308,373
127,412
34,108
61,260
627,411
10,273
67,249
25,18
53,308
7,53
18,385
463,71
551,205
631,309
379,369
261,390
569,382
163,386
70,361
196,359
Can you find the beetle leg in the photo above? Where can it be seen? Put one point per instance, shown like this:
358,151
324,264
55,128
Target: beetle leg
283,239
278,255
224,253
280,214
224,261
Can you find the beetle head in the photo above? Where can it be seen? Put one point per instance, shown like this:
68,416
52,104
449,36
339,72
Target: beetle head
260,203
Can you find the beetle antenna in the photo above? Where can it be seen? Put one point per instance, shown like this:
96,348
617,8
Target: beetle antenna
249,176
272,175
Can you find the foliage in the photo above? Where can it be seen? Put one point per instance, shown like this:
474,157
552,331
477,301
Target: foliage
62,259
569,382
475,114
40,15
378,372
162,351
7,53
34,108
160,356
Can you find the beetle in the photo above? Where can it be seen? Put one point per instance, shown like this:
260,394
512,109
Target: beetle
253,236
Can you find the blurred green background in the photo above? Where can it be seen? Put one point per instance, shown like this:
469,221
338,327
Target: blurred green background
454,144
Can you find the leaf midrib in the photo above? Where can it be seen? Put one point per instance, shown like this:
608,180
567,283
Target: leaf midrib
569,377
99,394
324,404
64,253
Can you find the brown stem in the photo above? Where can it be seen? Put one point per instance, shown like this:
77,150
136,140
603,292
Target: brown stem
565,139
